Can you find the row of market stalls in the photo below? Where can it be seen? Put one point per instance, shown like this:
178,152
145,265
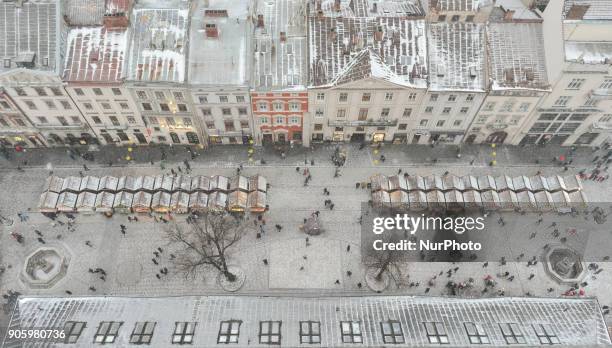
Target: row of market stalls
500,193
162,194
153,184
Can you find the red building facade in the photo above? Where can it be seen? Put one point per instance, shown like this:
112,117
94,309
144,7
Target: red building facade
279,116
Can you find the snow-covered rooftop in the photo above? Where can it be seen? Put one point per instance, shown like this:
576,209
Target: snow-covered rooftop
279,45
95,54
220,54
117,6
516,55
366,8
456,56
344,49
520,12
84,12
158,43
457,5
28,35
587,10
417,321
588,52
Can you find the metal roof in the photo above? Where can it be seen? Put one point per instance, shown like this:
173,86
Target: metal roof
516,55
396,46
456,5
280,62
588,52
366,8
570,321
28,34
221,59
456,56
95,54
158,42
84,12
587,10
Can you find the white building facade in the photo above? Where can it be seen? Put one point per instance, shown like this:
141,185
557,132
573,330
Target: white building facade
15,128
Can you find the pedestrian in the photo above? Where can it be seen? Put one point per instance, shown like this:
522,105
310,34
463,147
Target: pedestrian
41,240
348,248
155,261
399,171
337,281
68,292
38,232
317,213
156,253
103,278
531,276
91,288
85,167
349,273
485,264
331,206
160,250
265,262
297,169
278,227
88,243
91,270
359,285
157,275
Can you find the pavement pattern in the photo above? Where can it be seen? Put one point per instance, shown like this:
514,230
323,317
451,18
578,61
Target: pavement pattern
324,265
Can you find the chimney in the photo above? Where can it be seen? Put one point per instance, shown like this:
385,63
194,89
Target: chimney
508,15
283,36
337,5
378,34
260,21
212,31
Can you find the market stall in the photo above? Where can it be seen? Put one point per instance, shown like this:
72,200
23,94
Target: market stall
108,183
417,200
180,202
544,201
198,202
433,183
128,184
142,202
508,200
381,199
526,200
90,184
237,201
163,183
217,201
486,183
66,202
200,183
104,202
454,199
415,183
379,182
538,183
54,184
160,202
472,199
397,183
490,200
123,202
48,202
521,183
148,183
572,183
435,199
71,184
504,183
577,199
239,183
452,182
256,202
182,183
560,199
86,202
258,183
219,183
399,200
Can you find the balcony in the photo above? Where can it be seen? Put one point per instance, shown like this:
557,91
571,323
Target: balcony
602,126
365,123
80,126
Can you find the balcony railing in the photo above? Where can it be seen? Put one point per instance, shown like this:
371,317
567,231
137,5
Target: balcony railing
81,126
364,123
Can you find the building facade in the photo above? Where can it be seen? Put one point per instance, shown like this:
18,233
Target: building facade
516,70
279,99
15,128
219,70
577,111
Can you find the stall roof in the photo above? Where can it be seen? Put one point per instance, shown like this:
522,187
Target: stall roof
105,200
258,182
86,200
90,183
379,182
72,184
123,199
48,201
415,182
397,182
108,183
54,184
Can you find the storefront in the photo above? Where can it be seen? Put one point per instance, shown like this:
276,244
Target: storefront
378,137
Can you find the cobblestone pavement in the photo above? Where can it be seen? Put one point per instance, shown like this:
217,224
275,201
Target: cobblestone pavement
127,259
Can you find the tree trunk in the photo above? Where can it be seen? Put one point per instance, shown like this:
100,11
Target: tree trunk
228,275
382,270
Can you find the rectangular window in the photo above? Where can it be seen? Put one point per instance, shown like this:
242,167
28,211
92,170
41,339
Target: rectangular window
423,123
489,106
607,84
363,114
244,124
575,83
546,334
320,96
226,111
436,333
294,120
187,121
19,122
131,119
153,120
262,106
452,98
279,120
388,96
141,94
433,97
402,126
512,333
591,102
206,111
30,104
147,106
392,332
229,331
429,109
240,99
294,107
143,332
182,107
412,96
20,91
66,105
385,112
547,117
341,113
7,63
457,123
464,110
164,107
107,332
446,110
42,119
210,125
88,106
319,112
277,106
40,91
562,100
440,123
79,91
116,91
183,332
270,332
124,106
263,120
114,120
469,18
5,105
310,332
524,107
62,120
343,98
56,91
407,112
223,99
96,119
105,106
318,127
366,97
229,126
160,95
97,91
538,127
50,104
476,334
3,122
73,330
242,111
203,99
579,117
469,97
178,95
351,332
170,121
507,106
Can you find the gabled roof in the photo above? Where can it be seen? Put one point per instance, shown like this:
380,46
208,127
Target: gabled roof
566,321
366,64
457,5
587,10
95,54
84,12
366,8
28,35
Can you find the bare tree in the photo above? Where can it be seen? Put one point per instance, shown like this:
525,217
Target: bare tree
388,261
205,242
